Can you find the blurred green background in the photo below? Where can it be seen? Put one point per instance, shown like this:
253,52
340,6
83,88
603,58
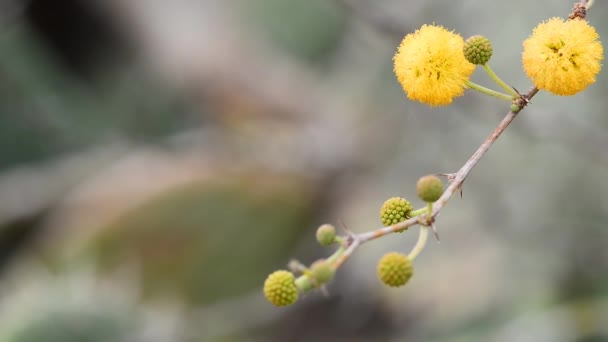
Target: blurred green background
159,159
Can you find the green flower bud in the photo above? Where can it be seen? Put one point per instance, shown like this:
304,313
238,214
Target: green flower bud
395,269
326,234
280,289
429,188
477,50
322,272
395,210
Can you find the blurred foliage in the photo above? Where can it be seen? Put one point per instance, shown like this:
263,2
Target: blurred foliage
287,23
78,326
197,242
71,306
45,110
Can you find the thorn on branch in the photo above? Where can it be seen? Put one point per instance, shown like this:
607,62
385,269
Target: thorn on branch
345,228
350,236
516,91
523,100
451,177
434,228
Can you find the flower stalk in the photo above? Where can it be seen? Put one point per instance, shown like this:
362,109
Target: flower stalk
420,243
489,91
499,81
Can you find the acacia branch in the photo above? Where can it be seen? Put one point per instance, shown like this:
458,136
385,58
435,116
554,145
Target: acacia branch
456,179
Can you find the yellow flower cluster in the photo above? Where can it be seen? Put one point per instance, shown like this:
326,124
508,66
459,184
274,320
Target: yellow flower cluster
431,67
563,57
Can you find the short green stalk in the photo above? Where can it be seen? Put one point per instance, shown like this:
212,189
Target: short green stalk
489,91
419,212
500,82
304,283
422,238
340,240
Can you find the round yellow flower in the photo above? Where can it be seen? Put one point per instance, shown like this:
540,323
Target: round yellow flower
431,67
563,57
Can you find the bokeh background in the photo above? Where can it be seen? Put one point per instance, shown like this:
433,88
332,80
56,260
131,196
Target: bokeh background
158,159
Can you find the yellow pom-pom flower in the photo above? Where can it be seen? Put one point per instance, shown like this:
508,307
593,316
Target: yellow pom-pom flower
431,67
563,57
395,269
280,288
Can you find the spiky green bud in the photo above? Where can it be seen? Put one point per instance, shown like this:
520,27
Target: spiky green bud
280,289
478,50
429,188
395,210
326,234
395,269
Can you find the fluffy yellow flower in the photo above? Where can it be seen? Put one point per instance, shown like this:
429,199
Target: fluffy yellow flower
563,57
431,67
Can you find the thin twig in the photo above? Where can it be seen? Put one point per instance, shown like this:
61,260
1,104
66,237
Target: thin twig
455,184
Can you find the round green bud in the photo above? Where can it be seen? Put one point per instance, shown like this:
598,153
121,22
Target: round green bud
429,188
395,269
395,210
280,288
322,272
326,234
515,108
477,50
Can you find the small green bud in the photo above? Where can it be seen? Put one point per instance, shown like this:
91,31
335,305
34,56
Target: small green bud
515,108
280,289
395,210
326,234
429,188
395,269
322,272
477,50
